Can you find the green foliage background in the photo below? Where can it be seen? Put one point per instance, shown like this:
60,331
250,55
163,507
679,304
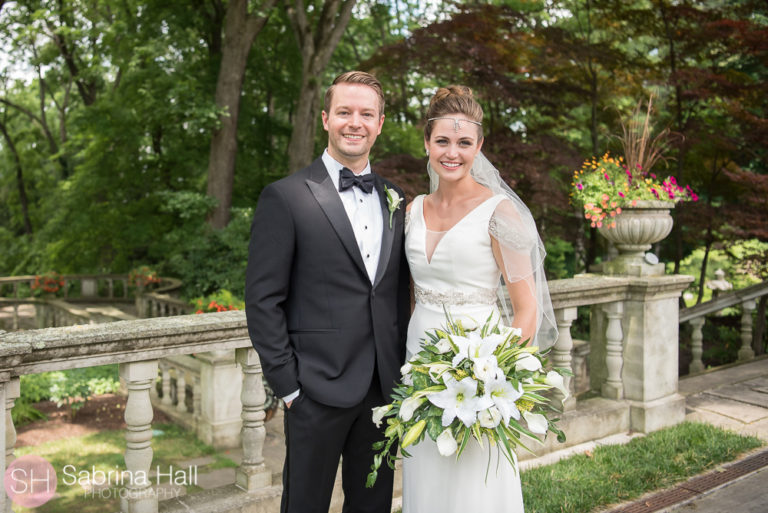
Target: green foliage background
109,112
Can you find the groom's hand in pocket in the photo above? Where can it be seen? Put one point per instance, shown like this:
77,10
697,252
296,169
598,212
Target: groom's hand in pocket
288,399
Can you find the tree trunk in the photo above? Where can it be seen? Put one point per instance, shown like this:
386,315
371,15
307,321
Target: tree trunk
19,180
316,45
240,30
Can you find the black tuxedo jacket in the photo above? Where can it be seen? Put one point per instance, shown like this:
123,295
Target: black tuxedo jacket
314,317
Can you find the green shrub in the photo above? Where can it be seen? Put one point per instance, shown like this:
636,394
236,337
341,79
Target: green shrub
560,262
73,387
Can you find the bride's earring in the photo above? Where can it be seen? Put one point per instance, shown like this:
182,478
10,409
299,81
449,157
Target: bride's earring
427,152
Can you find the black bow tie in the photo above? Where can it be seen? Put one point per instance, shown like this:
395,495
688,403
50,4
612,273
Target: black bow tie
349,179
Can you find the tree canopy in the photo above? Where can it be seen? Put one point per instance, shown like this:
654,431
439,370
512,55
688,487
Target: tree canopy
142,131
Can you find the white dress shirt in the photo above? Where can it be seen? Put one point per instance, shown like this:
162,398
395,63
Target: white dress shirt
364,213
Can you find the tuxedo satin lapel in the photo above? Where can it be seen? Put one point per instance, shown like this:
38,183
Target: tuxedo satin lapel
330,202
388,235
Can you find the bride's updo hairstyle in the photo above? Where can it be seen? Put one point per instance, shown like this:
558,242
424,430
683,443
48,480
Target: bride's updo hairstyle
451,101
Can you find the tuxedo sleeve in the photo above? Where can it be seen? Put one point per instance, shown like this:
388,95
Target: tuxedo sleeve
270,257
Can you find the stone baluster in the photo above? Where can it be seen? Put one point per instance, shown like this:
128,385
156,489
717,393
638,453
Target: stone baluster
15,306
139,496
165,371
181,390
197,392
613,388
746,352
252,473
111,288
561,354
697,346
12,392
5,502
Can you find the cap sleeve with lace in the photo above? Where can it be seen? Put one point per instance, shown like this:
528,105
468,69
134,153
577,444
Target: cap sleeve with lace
522,255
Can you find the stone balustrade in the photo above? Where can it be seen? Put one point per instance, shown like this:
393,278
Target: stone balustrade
633,354
211,381
136,346
696,317
61,309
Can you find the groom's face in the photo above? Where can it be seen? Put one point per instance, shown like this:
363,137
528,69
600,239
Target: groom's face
353,122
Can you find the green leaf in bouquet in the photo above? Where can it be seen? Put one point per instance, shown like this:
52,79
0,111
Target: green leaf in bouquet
484,331
465,434
516,426
508,451
476,432
557,431
434,426
371,480
421,381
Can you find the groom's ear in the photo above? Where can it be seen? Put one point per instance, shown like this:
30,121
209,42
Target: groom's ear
324,115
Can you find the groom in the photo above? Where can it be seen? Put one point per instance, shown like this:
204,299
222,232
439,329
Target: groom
327,304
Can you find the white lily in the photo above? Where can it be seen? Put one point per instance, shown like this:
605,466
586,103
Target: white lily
409,406
436,370
379,412
405,369
474,346
486,368
537,422
489,418
460,400
527,361
556,380
506,331
504,396
446,443
443,346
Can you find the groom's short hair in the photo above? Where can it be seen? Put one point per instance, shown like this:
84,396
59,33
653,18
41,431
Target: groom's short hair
356,77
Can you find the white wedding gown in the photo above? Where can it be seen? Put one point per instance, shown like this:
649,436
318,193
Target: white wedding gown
455,269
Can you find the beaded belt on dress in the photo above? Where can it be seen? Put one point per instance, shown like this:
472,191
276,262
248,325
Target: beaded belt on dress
455,297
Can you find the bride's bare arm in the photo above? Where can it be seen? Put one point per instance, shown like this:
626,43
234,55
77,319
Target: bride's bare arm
521,296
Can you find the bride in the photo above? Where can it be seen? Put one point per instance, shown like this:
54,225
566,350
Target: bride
469,232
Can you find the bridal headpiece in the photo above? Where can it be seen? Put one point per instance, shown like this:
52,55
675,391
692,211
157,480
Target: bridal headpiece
456,121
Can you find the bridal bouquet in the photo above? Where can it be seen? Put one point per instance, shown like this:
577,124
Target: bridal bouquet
469,382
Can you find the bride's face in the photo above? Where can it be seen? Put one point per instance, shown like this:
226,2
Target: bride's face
452,147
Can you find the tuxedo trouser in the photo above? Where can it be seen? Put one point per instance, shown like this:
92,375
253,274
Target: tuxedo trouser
316,435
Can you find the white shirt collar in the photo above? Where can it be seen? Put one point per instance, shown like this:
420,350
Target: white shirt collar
334,168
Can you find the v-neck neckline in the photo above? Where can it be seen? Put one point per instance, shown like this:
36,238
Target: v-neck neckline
444,232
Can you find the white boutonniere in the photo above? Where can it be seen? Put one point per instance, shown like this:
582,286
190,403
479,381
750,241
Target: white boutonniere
393,203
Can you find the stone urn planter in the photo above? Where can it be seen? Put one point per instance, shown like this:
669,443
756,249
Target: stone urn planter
637,228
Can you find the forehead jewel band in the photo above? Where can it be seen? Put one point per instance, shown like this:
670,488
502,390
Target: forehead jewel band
456,121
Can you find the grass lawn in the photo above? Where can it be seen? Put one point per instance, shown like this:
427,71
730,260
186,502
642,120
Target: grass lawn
614,474
103,451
